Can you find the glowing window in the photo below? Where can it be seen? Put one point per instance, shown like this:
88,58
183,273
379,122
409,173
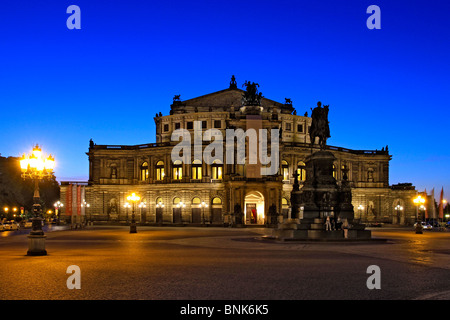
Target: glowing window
159,170
177,170
197,169
285,170
217,170
301,170
144,171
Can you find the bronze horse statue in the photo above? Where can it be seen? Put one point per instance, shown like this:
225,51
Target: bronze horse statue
319,125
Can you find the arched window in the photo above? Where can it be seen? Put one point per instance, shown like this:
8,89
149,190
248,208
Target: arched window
160,170
177,170
197,170
285,170
301,170
144,171
217,170
196,201
176,201
216,210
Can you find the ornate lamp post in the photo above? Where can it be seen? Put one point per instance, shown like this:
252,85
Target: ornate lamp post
86,206
159,206
141,205
360,209
398,209
58,205
418,201
203,205
36,168
133,198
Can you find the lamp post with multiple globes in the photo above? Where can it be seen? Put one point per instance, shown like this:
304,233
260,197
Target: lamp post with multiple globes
360,210
86,207
203,205
398,209
418,201
133,198
36,168
142,205
58,205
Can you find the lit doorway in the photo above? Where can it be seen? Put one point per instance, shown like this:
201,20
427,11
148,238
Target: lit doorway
254,208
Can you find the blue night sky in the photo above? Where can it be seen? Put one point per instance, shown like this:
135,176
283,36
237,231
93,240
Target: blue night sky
61,87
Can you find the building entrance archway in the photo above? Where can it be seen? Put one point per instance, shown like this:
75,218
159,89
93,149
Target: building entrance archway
254,208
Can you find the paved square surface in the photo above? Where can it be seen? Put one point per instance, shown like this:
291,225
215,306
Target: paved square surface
187,263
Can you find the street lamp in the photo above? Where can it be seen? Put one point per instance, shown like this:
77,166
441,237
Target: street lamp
86,206
58,205
203,205
141,205
36,168
133,198
418,201
398,208
160,205
360,209
181,205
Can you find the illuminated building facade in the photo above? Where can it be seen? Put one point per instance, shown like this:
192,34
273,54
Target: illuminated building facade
195,193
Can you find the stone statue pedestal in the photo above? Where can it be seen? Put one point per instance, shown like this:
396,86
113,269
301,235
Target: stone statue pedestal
319,198
36,245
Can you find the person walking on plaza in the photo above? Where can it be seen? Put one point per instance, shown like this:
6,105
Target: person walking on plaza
328,224
345,228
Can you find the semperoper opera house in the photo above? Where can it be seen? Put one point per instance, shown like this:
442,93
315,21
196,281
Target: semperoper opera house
201,192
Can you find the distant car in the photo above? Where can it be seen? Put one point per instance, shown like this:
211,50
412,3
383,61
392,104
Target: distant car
2,227
6,226
447,224
425,226
14,225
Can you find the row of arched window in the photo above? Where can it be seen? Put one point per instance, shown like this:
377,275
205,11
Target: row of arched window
301,170
217,171
196,202
177,170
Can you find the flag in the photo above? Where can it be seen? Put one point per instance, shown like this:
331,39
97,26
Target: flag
441,204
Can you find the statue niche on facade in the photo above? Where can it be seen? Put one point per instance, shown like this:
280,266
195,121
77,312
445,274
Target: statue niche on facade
320,125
